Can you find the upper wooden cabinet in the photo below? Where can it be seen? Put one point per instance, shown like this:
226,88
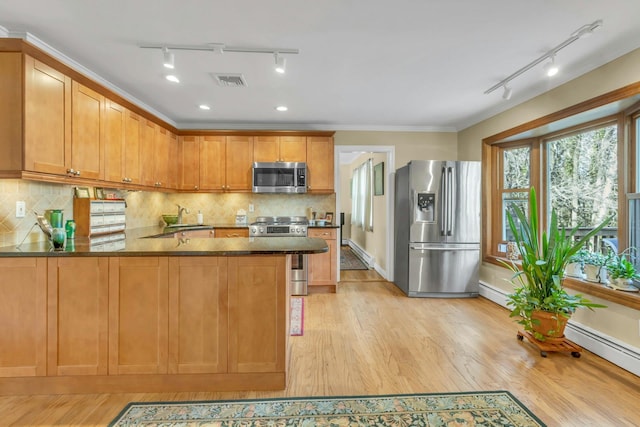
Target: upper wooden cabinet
320,164
280,149
132,129
147,146
114,142
86,132
47,119
215,163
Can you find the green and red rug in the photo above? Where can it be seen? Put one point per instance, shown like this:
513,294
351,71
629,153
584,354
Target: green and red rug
492,408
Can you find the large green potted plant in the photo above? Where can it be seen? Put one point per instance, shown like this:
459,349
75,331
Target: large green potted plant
539,298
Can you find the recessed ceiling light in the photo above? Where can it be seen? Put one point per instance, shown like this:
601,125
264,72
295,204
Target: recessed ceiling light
281,108
172,78
205,107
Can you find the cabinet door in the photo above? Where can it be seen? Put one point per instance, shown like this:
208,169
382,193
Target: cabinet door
258,307
23,316
132,130
266,149
172,161
147,150
320,163
138,315
213,152
78,290
323,267
239,161
47,119
194,234
189,162
114,135
198,315
161,158
293,148
86,131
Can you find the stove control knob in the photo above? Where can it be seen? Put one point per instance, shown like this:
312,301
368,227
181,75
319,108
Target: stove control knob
261,230
253,230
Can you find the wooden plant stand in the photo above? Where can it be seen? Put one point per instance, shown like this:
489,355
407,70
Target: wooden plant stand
558,344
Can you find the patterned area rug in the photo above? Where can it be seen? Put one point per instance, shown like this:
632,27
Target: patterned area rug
296,317
349,260
494,408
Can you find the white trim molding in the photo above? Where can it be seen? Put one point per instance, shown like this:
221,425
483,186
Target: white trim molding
3,32
609,348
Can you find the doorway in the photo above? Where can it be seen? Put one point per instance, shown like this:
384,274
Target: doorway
346,154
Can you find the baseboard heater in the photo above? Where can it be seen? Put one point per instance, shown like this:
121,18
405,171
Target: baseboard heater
609,348
368,260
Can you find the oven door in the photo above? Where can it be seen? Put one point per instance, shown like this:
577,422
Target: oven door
299,274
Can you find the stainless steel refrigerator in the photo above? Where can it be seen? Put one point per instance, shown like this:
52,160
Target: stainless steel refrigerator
437,228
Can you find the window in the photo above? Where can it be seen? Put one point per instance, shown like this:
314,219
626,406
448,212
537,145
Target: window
362,208
575,172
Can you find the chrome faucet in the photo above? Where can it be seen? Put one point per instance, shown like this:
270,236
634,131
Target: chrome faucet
180,210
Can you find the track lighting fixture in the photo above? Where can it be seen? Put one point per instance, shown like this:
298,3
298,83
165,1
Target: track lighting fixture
281,63
506,95
551,68
168,58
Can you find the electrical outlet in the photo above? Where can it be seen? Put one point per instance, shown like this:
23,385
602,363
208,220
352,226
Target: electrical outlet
21,209
251,207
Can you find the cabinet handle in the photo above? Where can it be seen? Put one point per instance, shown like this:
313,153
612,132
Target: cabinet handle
77,173
196,187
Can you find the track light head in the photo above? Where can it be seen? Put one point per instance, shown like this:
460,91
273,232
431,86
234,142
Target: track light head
550,68
281,63
168,58
506,95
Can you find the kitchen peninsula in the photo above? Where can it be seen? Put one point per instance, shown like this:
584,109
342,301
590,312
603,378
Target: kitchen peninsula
158,315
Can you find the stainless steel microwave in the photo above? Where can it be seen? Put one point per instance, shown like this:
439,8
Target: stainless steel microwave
279,177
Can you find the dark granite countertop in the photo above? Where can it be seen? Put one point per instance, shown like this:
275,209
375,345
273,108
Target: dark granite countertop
324,226
134,243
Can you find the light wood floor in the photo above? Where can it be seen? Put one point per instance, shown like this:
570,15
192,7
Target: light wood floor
370,339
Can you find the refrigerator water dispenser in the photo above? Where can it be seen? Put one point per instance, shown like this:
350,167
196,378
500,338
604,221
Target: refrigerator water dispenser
426,207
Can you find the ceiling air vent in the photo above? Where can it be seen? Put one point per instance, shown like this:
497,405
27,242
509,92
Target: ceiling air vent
230,80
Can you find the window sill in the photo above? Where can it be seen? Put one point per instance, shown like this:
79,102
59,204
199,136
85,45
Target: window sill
628,299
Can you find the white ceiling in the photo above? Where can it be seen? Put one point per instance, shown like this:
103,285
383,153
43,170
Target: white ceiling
363,64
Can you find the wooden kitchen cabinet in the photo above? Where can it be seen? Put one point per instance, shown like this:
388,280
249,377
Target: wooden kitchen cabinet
280,149
78,295
189,163
172,168
323,268
225,163
86,132
231,232
239,160
198,315
258,313
187,234
320,164
132,129
138,315
147,150
23,316
47,119
114,142
160,154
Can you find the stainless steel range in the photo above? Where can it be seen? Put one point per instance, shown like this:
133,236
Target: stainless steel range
286,226
279,226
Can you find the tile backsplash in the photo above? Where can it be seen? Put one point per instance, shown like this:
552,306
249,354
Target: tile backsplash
145,208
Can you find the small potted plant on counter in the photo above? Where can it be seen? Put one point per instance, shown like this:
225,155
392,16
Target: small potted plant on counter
595,267
623,272
539,299
575,265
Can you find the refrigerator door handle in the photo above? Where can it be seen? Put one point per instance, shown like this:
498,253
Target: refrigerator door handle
450,208
443,203
444,248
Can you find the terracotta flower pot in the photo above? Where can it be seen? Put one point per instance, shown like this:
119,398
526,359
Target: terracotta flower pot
550,325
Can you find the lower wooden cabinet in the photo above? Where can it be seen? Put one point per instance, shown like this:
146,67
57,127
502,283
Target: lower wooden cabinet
323,268
258,312
78,289
138,315
23,317
124,324
198,315
231,232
